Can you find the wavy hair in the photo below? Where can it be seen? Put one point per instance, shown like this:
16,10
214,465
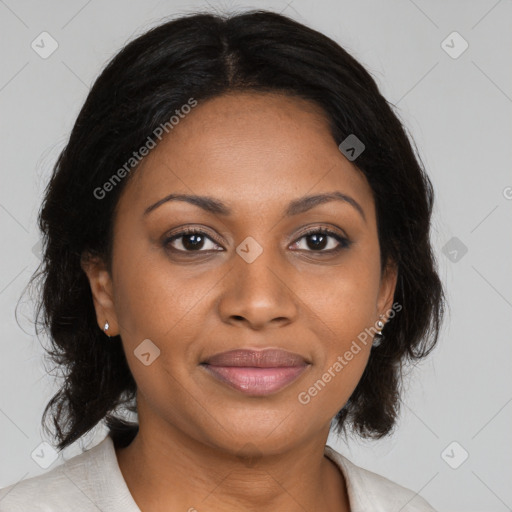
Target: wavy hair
203,55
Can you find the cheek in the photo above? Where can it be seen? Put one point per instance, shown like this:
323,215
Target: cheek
339,369
344,298
169,307
328,389
344,303
152,297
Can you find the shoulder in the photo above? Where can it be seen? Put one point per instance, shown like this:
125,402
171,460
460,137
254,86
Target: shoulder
87,482
42,492
370,491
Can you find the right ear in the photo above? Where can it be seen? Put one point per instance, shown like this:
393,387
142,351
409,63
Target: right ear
100,282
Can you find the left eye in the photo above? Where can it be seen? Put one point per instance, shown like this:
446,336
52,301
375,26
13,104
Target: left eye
322,241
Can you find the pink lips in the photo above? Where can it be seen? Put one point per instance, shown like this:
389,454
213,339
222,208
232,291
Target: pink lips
256,373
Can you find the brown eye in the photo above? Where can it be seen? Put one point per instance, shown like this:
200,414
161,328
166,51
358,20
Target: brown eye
322,240
191,241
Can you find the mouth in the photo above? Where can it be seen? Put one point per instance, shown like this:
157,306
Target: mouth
256,372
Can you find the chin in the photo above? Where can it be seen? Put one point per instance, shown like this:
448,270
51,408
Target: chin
251,433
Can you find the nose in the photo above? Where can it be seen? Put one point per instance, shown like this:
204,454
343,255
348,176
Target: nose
258,294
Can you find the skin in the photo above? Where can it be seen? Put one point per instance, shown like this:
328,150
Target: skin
201,444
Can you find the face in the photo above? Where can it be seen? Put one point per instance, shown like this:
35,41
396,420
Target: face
259,267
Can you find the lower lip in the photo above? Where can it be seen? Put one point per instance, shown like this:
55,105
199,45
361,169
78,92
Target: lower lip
256,381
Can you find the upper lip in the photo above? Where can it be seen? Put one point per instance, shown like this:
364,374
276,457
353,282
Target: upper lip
268,358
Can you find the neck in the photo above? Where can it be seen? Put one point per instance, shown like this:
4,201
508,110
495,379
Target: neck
171,470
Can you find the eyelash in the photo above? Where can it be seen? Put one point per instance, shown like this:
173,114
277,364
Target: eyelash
344,242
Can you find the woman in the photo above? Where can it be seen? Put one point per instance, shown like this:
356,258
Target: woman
237,250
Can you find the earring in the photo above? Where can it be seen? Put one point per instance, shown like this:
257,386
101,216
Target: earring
377,339
105,329
380,325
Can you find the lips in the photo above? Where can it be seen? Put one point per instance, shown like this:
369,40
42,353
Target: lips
256,373
270,358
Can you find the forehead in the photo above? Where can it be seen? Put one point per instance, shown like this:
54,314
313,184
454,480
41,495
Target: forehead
245,148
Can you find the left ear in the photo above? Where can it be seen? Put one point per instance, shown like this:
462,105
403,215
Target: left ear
387,288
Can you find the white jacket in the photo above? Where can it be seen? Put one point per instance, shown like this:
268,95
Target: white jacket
92,481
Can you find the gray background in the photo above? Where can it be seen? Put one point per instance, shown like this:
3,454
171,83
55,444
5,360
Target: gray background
458,110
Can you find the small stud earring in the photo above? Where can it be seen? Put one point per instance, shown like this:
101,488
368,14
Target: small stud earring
105,328
377,339
380,326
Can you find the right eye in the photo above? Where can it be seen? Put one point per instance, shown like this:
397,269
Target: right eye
191,240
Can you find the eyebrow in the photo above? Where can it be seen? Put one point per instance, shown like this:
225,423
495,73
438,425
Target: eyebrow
295,207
